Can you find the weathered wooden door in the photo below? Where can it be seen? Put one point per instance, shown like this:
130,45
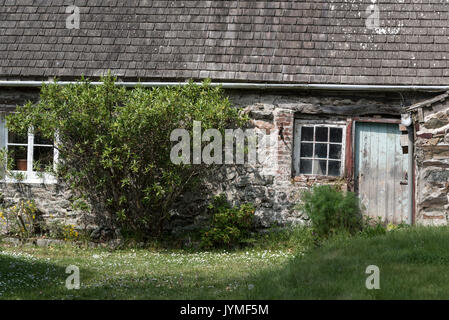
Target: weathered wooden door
381,171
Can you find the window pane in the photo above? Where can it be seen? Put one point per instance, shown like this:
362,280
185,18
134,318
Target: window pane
321,150
335,151
15,138
306,150
336,134
334,168
18,157
307,134
321,134
43,158
305,166
319,167
39,139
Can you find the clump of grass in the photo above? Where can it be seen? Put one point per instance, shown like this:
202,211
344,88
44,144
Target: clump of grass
331,211
293,238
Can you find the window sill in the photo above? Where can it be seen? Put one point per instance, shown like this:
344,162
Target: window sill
31,178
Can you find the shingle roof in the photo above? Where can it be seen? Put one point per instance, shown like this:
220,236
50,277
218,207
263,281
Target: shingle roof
302,41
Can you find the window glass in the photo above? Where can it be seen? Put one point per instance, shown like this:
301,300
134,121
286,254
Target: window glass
307,133
39,139
334,151
41,154
319,167
306,149
322,134
320,150
42,158
18,156
334,168
15,138
305,166
336,134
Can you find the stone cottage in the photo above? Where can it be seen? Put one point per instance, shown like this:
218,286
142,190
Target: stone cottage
354,92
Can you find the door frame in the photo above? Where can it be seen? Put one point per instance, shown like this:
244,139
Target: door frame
350,155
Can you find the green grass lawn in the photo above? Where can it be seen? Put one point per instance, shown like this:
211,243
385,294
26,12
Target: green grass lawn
413,263
39,273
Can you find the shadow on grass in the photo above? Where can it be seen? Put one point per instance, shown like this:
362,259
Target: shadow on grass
164,288
24,277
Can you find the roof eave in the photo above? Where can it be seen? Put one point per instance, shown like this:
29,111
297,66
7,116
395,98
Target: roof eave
248,85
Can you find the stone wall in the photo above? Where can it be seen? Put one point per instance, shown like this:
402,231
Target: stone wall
276,195
432,160
54,203
12,97
271,185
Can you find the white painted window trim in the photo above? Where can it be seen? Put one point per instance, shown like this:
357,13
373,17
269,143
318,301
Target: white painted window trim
299,123
30,175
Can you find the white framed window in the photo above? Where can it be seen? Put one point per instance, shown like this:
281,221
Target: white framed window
319,148
30,154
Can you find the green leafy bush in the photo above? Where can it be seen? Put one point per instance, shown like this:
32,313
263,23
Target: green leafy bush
114,144
373,228
332,211
230,226
22,219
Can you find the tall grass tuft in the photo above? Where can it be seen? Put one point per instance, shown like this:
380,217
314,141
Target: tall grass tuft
332,211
